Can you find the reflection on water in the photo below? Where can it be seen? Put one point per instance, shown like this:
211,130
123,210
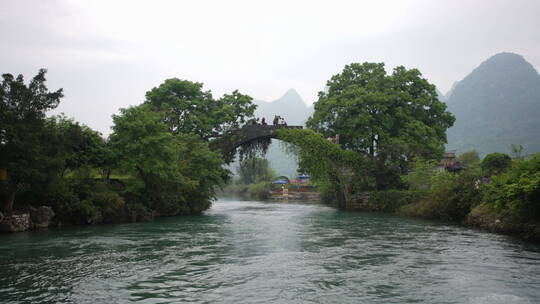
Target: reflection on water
254,252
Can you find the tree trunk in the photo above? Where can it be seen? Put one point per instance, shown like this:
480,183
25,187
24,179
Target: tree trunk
8,198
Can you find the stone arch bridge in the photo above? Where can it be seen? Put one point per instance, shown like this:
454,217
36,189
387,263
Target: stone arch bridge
228,142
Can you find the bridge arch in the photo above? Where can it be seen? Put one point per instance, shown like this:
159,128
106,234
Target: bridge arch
229,142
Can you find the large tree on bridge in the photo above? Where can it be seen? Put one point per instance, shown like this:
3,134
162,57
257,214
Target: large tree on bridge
190,110
391,118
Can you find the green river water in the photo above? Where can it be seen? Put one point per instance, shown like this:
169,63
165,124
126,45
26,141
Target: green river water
255,252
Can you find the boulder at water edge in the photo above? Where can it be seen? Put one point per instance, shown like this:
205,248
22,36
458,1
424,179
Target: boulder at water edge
41,217
15,223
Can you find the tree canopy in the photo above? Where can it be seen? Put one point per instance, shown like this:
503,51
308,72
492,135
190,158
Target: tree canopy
335,169
188,109
27,141
178,170
495,163
392,118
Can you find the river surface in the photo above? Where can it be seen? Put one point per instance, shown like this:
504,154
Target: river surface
255,252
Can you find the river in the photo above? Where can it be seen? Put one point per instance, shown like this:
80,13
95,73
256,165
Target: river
255,252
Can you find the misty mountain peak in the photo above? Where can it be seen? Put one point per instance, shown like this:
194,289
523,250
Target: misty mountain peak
291,93
503,75
290,105
496,105
507,65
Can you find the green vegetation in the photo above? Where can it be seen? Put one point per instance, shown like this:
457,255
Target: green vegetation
495,163
514,197
383,121
187,109
387,121
390,133
389,118
495,195
177,171
160,149
448,196
339,173
28,142
391,200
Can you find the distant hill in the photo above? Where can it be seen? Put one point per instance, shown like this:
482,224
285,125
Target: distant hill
496,105
292,108
289,106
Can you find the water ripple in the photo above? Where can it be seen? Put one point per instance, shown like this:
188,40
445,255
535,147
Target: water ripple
252,252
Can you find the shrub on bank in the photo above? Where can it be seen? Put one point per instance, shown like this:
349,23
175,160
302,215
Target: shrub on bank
450,196
514,197
392,200
495,163
85,201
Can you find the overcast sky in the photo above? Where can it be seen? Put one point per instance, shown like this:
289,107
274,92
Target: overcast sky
107,54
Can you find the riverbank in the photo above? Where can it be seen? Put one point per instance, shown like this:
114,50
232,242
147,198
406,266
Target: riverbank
32,218
507,203
413,204
89,201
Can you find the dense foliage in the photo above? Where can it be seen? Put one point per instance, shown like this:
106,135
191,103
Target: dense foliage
495,163
391,118
448,196
187,109
27,141
504,200
517,190
157,161
337,171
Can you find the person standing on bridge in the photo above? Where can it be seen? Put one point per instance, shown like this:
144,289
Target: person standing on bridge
263,121
276,120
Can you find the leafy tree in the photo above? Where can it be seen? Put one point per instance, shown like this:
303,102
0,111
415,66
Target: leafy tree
517,190
338,171
188,109
179,172
146,149
81,145
253,170
496,163
421,174
28,144
391,118
202,168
